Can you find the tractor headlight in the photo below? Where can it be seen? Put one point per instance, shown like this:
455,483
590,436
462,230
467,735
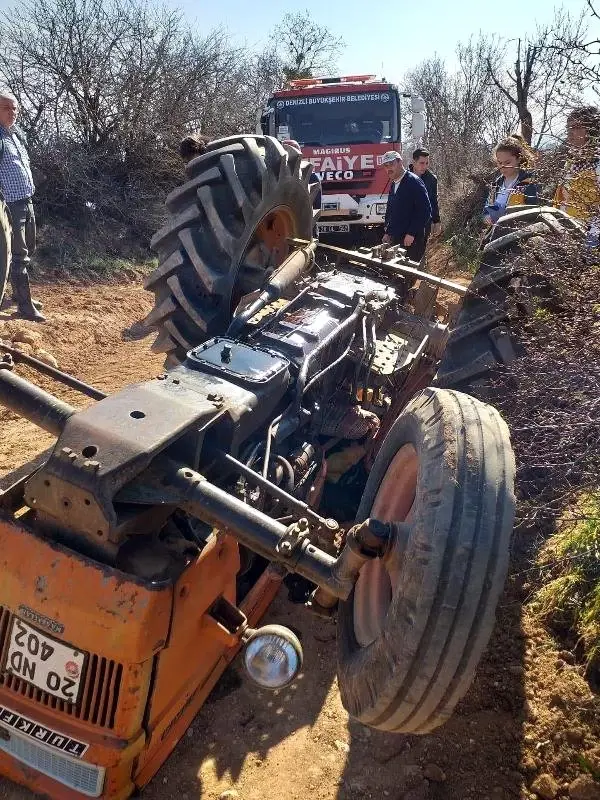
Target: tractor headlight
273,656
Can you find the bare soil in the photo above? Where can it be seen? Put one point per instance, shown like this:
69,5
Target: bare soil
529,727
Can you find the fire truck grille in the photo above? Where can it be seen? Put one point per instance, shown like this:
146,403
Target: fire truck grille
345,187
99,695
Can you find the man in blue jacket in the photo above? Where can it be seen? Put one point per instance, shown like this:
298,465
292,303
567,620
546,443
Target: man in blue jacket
408,212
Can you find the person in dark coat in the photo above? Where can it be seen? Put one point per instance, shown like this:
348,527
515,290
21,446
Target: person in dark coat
420,167
515,185
408,212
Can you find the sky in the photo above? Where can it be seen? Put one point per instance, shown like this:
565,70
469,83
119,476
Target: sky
387,37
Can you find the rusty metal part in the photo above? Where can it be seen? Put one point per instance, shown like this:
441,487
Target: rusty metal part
373,537
52,372
104,447
348,421
295,505
364,542
357,550
302,457
256,530
419,377
289,272
392,267
28,400
293,537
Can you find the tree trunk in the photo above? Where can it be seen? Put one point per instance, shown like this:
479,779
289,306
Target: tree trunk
526,121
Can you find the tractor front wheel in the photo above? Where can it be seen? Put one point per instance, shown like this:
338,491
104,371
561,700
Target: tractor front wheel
415,626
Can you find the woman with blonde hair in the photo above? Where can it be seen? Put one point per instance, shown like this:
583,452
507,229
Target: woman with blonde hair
515,185
579,190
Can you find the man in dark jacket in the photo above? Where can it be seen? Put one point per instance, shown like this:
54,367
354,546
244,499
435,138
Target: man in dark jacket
408,212
420,167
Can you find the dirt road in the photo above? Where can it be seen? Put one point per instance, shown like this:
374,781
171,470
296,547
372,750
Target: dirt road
529,722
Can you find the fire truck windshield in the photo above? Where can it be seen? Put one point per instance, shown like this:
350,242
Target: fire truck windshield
361,118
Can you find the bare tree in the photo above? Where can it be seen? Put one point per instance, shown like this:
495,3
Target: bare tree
306,47
108,88
582,48
465,115
541,81
119,71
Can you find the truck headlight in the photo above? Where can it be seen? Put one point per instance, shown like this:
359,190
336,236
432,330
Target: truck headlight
273,656
380,208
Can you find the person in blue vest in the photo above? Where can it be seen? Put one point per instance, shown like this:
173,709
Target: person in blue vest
17,188
408,212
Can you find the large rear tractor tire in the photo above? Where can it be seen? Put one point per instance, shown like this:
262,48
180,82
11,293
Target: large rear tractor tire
415,626
482,340
5,237
229,226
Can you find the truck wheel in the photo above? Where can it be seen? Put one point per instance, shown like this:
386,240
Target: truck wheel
5,236
482,340
413,630
229,225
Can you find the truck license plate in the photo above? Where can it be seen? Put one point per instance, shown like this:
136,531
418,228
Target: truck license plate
342,228
44,662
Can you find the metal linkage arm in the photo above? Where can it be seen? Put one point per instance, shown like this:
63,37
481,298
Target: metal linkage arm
289,545
33,403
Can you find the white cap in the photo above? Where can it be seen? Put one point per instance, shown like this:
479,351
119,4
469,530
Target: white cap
390,157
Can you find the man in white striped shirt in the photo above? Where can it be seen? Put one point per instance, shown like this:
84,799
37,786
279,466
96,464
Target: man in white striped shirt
17,188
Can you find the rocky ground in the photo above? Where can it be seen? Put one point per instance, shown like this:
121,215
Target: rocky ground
529,727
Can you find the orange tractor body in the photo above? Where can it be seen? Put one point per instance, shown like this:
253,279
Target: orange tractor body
150,656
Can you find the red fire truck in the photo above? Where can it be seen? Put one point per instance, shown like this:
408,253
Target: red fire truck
344,125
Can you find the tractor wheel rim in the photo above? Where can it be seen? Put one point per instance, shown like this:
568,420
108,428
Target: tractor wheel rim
378,579
267,249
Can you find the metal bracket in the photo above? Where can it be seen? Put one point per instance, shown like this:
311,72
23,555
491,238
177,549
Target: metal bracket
293,537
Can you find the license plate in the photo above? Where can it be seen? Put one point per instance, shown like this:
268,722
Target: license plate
343,228
44,662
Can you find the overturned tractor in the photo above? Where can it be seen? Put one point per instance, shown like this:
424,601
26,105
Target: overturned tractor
141,551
